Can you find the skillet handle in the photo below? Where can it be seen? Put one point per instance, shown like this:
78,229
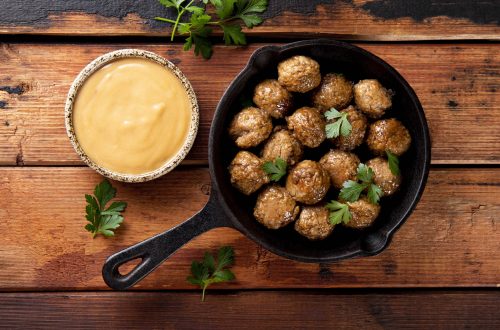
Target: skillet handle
157,249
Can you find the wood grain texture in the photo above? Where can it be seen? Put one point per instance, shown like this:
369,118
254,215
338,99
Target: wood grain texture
457,85
348,19
268,310
451,240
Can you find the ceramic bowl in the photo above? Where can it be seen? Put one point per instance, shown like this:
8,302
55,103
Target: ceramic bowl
99,63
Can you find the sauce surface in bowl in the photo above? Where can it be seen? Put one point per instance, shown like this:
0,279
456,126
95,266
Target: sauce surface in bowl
132,116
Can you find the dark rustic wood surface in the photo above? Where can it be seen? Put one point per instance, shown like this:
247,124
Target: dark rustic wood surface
442,269
247,310
343,19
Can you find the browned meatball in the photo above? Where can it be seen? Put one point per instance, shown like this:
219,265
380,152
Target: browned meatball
299,74
335,91
308,126
314,223
341,166
284,145
388,134
246,172
355,138
250,127
275,208
273,98
363,213
308,182
372,98
383,177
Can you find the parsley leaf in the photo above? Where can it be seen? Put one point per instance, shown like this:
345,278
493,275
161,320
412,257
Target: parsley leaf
351,190
374,193
339,212
365,173
276,170
393,162
209,271
197,30
103,220
341,126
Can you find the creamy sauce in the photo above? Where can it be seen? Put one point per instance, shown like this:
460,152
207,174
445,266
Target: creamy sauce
132,116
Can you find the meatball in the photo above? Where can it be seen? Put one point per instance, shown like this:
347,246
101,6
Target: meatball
299,74
308,182
390,135
341,166
308,126
273,98
372,98
314,223
284,145
383,177
355,138
275,208
250,127
363,213
335,91
246,172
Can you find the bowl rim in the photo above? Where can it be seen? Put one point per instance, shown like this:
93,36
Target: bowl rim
97,64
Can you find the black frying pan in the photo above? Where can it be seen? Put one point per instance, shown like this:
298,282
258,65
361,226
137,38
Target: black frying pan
229,208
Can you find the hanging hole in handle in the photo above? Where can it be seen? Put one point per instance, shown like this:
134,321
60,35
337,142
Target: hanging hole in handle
129,266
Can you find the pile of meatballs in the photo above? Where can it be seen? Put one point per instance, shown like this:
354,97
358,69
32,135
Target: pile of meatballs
275,128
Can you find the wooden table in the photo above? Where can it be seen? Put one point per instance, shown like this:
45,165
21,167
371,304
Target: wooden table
442,268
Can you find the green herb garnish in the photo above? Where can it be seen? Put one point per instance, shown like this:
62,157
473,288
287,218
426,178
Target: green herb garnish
339,212
275,170
103,220
199,26
352,189
341,126
393,162
208,271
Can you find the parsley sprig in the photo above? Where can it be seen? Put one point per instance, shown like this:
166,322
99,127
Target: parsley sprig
339,212
393,162
199,26
103,220
275,170
209,271
341,126
351,190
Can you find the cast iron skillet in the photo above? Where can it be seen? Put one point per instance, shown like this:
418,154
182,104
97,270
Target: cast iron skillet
229,208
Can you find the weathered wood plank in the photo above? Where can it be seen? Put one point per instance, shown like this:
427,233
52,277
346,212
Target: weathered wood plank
457,84
267,310
348,19
451,240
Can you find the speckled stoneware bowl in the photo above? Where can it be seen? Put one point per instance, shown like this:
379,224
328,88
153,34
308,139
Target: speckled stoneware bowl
99,63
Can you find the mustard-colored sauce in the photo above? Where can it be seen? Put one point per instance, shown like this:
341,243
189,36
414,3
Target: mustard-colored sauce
132,116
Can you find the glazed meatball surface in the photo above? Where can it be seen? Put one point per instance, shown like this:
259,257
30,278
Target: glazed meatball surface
388,134
273,98
341,166
372,98
314,223
299,74
284,145
246,172
275,207
358,123
308,126
308,182
383,177
363,213
335,91
250,127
